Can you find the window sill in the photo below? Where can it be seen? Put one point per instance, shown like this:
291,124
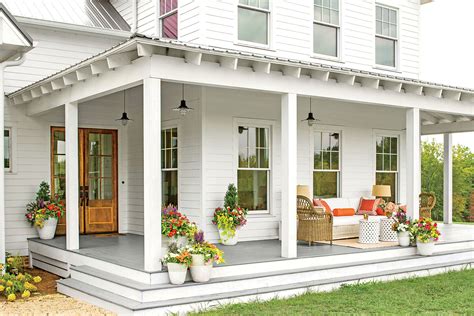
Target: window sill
260,215
254,45
327,58
390,69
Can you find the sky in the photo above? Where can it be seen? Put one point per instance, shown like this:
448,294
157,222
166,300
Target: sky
447,49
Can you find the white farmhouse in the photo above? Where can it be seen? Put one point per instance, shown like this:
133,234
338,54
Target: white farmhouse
251,72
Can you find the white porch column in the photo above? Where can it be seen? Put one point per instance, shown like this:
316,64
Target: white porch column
448,179
152,173
72,175
413,161
288,174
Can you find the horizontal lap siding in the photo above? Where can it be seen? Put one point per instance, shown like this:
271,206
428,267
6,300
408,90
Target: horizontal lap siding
124,8
189,20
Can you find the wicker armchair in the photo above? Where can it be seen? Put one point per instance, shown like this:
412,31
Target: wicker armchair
314,224
427,202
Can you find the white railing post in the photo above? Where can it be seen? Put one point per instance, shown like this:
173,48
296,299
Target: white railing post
413,161
72,175
152,173
448,179
288,176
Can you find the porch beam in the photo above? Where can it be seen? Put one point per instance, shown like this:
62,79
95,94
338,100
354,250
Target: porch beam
288,163
430,119
152,173
72,175
456,127
413,161
448,179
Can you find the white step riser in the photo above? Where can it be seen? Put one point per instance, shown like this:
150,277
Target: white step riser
178,309
254,283
302,263
50,268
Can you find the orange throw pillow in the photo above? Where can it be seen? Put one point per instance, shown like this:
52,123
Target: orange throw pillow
380,211
368,206
322,203
343,212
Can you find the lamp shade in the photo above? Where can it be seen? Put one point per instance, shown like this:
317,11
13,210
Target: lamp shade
381,190
304,191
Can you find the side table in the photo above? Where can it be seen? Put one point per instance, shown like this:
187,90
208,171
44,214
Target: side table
369,231
386,232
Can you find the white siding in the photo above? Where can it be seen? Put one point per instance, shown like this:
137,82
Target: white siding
146,16
124,8
189,21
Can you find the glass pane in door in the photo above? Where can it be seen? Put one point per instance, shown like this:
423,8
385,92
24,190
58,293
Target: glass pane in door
100,163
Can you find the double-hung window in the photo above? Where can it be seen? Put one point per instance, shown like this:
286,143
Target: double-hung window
169,166
253,172
7,149
387,163
386,36
326,27
254,21
169,18
327,167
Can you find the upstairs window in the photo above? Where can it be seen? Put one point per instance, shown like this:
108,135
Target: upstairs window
253,20
169,18
169,166
386,36
326,27
327,169
7,145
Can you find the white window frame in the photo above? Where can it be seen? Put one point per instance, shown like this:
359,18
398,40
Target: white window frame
256,123
10,150
338,35
396,39
269,24
313,170
162,16
164,127
397,178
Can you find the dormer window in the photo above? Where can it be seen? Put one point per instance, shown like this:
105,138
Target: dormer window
326,27
169,18
386,36
253,21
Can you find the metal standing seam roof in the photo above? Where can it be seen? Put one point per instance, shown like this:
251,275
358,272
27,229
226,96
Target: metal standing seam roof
93,13
175,44
15,22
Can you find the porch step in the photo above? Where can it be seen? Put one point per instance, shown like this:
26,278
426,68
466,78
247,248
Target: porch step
298,284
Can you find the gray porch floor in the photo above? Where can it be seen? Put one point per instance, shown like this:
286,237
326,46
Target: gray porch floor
127,250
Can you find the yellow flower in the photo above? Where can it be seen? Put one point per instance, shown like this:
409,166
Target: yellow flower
37,279
26,294
20,277
1,266
10,260
30,287
2,288
11,297
9,283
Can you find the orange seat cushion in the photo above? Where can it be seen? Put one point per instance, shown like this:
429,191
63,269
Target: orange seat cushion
343,212
322,203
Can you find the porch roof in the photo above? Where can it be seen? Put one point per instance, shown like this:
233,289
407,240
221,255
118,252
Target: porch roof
142,46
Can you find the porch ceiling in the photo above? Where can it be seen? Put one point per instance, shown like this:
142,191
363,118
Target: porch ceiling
438,123
141,47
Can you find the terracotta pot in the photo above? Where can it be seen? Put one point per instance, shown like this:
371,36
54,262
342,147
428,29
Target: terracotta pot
49,228
177,273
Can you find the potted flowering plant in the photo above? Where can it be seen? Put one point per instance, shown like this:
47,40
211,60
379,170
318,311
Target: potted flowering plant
427,233
402,226
204,255
230,218
177,260
44,212
176,227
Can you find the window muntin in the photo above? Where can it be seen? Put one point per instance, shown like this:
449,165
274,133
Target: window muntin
253,171
169,18
7,152
253,21
169,166
326,27
386,36
387,158
326,164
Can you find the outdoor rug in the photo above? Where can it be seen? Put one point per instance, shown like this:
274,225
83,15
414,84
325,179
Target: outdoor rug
354,243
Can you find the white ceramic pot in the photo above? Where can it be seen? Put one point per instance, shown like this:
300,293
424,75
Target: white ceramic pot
177,273
404,239
425,248
229,241
201,274
198,260
49,228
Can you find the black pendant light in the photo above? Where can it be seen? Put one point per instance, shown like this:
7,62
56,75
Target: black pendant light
124,119
310,119
183,109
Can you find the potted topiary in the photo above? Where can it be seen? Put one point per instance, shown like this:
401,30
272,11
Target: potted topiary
44,212
204,255
427,233
230,218
402,226
177,261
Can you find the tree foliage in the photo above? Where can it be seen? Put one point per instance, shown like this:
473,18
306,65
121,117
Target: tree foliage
463,178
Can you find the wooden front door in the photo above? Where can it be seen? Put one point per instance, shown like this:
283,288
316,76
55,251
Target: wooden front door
97,178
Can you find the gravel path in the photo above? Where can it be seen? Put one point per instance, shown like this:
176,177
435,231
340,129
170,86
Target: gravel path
52,304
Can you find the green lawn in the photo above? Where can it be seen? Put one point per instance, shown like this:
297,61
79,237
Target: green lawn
450,293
